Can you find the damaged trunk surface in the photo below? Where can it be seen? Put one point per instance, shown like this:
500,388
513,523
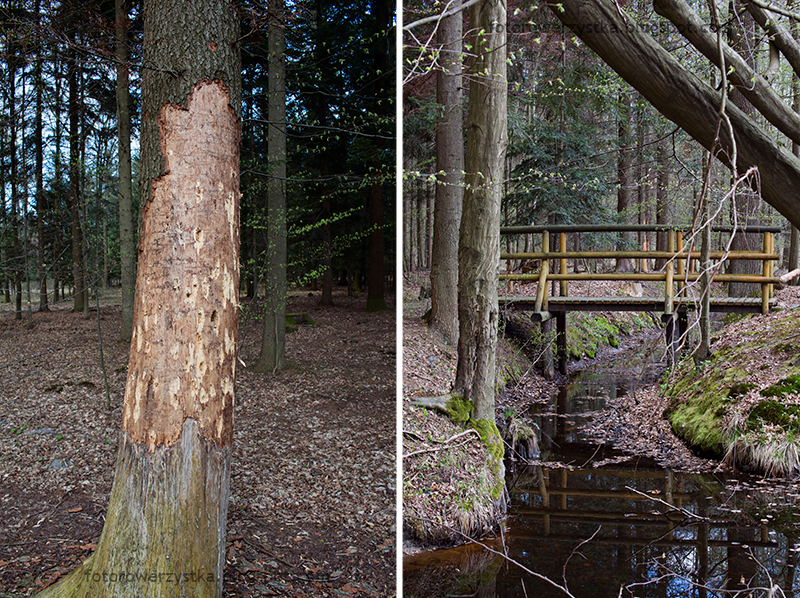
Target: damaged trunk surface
165,529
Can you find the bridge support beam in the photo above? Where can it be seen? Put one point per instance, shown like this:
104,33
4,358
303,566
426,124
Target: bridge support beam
675,327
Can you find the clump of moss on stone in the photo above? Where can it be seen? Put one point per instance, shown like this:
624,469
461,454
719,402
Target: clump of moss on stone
459,409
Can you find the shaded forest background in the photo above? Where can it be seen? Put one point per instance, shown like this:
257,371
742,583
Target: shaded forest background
59,216
584,146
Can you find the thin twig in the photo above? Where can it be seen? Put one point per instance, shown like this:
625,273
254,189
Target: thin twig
493,551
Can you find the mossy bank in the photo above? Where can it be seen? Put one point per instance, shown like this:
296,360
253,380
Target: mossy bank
743,404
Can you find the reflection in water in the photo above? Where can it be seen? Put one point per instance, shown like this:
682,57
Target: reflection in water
627,530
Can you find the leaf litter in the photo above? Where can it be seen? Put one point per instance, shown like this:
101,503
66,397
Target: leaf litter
312,497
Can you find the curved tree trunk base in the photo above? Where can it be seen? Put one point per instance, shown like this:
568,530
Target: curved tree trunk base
165,526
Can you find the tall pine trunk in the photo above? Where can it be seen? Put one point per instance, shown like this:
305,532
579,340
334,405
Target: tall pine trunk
479,238
624,176
164,533
78,279
376,300
273,341
449,187
127,245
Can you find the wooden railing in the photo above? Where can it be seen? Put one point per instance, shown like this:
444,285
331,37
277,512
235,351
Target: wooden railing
679,266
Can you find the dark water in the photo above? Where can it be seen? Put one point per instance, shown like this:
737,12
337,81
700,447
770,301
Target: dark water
630,529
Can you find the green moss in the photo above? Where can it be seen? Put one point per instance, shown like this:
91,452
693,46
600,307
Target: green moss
789,385
490,436
459,409
774,413
294,320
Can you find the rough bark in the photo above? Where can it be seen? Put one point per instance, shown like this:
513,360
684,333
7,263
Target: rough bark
624,176
14,182
273,340
450,188
165,529
662,199
381,57
74,107
41,207
479,239
684,98
127,246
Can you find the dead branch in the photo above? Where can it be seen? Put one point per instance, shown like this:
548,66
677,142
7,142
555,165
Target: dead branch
443,443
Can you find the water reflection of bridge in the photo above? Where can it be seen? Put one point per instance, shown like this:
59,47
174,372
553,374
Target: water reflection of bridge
649,522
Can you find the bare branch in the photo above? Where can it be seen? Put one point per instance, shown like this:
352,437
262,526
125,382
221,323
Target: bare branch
439,17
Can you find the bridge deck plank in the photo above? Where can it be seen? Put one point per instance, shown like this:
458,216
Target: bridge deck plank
654,304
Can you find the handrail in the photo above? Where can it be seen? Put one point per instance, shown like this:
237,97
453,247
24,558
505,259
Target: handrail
674,271
626,228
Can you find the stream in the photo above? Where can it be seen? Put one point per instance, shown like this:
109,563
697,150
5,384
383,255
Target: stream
629,529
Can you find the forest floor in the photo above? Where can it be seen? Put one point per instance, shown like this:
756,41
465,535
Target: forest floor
312,506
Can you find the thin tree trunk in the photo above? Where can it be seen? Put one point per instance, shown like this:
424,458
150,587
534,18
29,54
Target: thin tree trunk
381,58
273,341
327,241
662,198
450,185
15,198
624,175
127,243
41,206
74,189
745,204
479,239
168,507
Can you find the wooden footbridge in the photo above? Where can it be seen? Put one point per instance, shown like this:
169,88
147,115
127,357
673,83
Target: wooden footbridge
679,276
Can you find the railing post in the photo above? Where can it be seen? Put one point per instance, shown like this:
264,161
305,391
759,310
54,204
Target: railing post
562,264
681,263
766,289
542,293
669,292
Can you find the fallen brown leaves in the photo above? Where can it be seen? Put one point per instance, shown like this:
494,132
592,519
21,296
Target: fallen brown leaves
312,507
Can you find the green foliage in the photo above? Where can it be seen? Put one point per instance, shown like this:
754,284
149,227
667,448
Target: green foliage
789,385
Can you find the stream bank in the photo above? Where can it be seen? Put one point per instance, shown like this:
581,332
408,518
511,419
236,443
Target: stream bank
599,513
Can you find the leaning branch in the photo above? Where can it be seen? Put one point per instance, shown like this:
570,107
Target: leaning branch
753,86
439,17
782,39
685,99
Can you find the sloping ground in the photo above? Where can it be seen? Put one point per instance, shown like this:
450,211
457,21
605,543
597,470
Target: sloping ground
743,404
447,478
312,509
449,488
